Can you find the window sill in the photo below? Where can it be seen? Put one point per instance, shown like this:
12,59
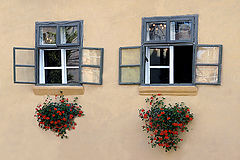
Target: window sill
169,90
54,90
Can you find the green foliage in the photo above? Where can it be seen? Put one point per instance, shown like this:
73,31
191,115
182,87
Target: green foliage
164,123
58,115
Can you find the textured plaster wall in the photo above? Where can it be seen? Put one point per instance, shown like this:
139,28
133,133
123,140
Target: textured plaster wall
111,129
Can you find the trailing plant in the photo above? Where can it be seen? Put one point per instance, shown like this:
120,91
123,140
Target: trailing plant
58,114
165,123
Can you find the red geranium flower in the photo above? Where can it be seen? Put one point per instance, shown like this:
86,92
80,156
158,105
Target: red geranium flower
162,132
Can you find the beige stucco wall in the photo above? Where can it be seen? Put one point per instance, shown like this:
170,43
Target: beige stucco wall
111,129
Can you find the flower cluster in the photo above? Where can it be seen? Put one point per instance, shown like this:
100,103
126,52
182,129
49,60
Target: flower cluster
58,115
165,123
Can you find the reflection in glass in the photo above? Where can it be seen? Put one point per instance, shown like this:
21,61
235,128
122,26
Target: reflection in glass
159,57
52,58
156,31
47,35
91,75
72,75
72,57
69,34
207,74
180,30
53,76
130,74
159,75
91,56
208,55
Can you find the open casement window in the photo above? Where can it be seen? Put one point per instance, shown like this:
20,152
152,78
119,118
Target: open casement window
168,64
208,64
24,65
129,65
172,29
159,65
55,34
71,66
91,65
60,57
170,56
59,66
62,66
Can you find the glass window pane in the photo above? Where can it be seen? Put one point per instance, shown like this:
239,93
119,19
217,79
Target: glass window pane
159,75
180,30
47,35
25,74
131,56
72,75
52,58
91,56
208,55
159,57
53,76
156,31
25,57
206,74
90,74
72,57
130,74
69,34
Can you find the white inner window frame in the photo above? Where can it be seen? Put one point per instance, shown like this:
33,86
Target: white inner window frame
63,66
171,64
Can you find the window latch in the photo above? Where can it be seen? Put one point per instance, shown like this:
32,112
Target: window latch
146,59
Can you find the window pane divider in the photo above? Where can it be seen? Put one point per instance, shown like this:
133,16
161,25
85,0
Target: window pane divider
147,66
52,67
41,67
207,64
20,65
63,66
94,66
130,65
171,62
159,66
69,67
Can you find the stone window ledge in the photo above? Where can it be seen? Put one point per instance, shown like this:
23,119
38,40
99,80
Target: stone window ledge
55,90
169,90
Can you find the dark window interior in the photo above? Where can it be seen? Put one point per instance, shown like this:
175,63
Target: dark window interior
53,76
52,58
159,57
183,64
159,75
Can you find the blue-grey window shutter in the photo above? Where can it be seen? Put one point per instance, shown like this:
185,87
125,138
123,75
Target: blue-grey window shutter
129,65
208,64
24,65
91,65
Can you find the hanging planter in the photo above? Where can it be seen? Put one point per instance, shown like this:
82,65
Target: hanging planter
58,115
165,123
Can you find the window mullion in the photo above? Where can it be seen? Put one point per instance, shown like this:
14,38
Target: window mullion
63,66
147,66
41,67
171,63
